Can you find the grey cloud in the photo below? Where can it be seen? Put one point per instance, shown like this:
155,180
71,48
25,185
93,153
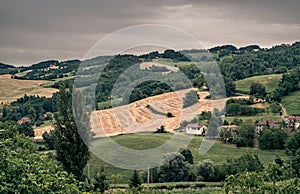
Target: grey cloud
66,29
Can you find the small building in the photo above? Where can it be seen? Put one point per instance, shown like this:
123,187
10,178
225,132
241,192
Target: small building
292,122
232,129
260,125
269,123
274,124
196,129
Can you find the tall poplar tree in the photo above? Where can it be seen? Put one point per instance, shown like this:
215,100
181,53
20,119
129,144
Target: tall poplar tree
71,140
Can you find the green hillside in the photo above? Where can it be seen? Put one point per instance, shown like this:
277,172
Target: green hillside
292,103
6,69
269,81
219,152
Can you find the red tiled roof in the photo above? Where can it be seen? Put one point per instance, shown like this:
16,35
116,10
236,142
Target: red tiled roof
194,125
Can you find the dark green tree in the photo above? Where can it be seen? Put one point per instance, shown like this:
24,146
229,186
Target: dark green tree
293,151
101,182
247,162
293,144
135,181
225,122
257,90
245,135
188,156
70,139
206,170
49,139
175,168
229,86
26,128
275,107
272,139
161,129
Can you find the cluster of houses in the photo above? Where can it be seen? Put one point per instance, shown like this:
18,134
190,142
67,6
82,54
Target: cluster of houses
290,123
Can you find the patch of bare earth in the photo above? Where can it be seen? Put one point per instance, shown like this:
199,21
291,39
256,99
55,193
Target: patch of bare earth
38,132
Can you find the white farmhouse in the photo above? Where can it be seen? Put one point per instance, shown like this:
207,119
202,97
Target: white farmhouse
196,129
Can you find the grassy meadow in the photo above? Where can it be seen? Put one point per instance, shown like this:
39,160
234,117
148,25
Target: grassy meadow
292,103
219,152
269,81
108,103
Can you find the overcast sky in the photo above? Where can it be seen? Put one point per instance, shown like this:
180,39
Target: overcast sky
36,30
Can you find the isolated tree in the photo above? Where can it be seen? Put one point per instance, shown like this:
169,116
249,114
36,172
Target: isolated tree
70,140
135,180
161,129
236,121
101,182
257,90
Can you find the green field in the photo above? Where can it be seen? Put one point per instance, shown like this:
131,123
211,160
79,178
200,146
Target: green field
108,103
269,81
219,152
168,188
292,103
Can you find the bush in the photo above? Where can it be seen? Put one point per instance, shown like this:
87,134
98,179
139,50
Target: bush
169,114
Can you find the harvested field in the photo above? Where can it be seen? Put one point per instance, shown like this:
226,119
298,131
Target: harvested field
12,89
136,117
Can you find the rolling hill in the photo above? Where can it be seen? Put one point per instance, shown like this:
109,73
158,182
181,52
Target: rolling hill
5,69
292,103
12,89
269,81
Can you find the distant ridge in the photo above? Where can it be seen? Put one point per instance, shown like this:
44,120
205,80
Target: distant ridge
5,66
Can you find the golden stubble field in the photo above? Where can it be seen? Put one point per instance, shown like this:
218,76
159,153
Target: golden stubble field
12,89
136,117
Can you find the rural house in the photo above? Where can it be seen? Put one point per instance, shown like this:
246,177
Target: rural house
196,129
232,129
292,122
269,123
